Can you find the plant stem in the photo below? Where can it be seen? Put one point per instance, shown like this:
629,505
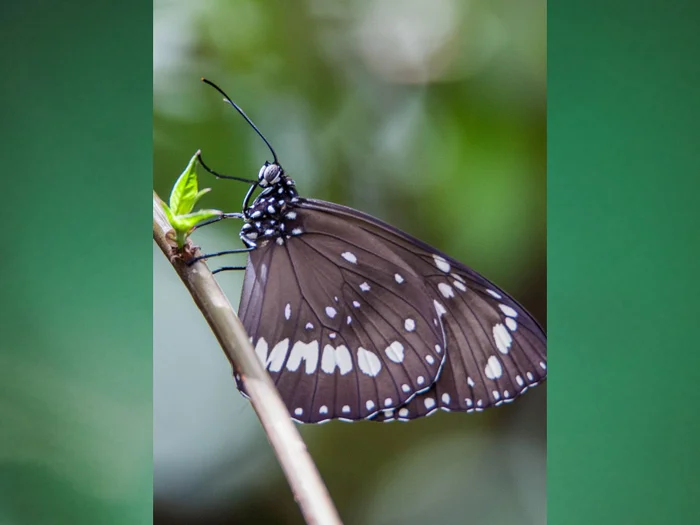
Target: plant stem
302,475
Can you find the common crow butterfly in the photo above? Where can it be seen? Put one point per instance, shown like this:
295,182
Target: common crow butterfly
355,319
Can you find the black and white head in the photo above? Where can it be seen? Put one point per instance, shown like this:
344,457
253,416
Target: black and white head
269,174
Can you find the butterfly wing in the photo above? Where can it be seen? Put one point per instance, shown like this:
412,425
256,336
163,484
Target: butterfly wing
495,349
370,311
332,313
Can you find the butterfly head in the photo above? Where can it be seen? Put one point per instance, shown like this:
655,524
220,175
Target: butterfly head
270,174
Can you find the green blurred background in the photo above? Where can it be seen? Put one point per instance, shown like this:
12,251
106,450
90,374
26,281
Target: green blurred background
428,114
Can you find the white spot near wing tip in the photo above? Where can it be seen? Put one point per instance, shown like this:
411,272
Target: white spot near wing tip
349,320
349,256
429,402
429,359
543,366
405,388
439,308
309,326
459,286
468,401
446,290
288,311
298,411
368,362
370,405
291,214
297,231
519,380
323,410
502,337
493,368
365,287
441,264
470,381
510,312
388,402
346,409
356,304
395,352
403,412
511,324
446,398
409,325
496,394
530,376
494,294
330,311
398,278
420,380
438,348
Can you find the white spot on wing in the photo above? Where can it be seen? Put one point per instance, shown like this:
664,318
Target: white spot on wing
403,412
323,410
309,326
543,366
395,352
405,388
330,311
291,215
441,264
370,405
306,351
439,308
446,290
420,380
409,325
429,402
460,286
356,304
398,278
511,324
429,359
446,398
261,350
508,310
364,287
438,348
333,357
388,402
470,381
346,409
349,256
287,311
277,356
502,337
298,411
368,362
297,231
493,368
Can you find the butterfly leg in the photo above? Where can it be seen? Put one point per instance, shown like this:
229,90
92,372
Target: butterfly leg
218,254
219,218
228,268
219,175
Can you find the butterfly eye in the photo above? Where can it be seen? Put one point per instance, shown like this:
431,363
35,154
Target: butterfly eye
269,174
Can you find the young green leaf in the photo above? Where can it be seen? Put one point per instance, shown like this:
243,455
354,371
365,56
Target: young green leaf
183,198
185,194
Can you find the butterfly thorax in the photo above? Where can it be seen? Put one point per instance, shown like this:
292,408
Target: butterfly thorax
272,215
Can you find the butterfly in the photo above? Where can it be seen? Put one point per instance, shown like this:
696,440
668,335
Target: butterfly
356,320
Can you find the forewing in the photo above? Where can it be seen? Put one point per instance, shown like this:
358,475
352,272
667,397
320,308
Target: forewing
338,319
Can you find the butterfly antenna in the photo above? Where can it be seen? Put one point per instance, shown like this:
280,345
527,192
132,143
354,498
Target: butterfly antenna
228,99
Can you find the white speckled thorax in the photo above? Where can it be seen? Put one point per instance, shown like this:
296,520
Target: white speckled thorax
272,215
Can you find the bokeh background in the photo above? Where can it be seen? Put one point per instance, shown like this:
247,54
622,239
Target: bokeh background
428,114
